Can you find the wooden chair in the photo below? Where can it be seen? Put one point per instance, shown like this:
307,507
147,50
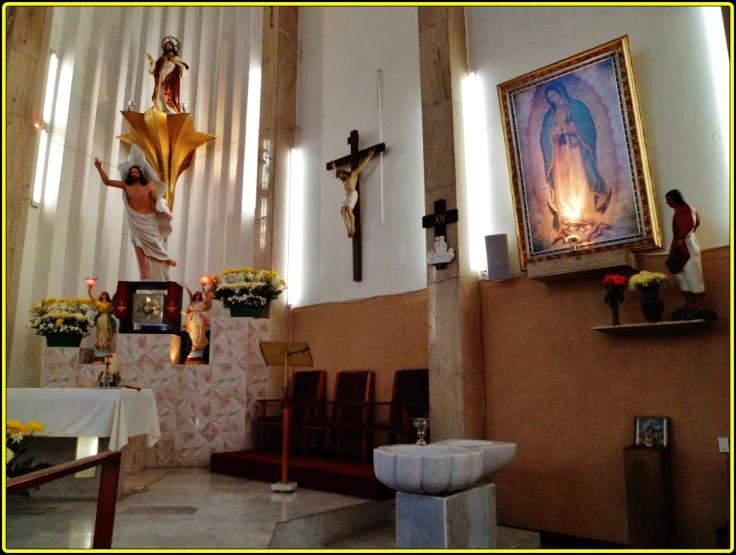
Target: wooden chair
307,391
410,399
351,408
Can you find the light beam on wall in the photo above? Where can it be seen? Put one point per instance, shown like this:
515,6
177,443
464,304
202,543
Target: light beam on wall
57,134
476,170
719,64
295,266
49,96
49,90
43,143
263,223
86,447
53,176
253,107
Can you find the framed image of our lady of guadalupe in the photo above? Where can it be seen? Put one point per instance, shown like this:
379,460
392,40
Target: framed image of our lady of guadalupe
577,157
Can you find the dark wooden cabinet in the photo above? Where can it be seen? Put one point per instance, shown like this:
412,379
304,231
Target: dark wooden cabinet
648,473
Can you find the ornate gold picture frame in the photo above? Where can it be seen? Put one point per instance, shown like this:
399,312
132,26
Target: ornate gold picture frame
577,157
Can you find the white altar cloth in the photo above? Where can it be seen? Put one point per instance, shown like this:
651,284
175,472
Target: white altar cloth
65,412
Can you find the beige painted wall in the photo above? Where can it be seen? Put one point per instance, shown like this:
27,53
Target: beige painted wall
567,395
383,334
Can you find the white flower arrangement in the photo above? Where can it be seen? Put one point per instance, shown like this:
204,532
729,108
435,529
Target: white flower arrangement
247,287
51,316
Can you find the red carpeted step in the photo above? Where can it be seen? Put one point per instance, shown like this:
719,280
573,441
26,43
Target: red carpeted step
345,477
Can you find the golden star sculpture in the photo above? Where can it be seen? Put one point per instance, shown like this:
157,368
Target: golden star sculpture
167,140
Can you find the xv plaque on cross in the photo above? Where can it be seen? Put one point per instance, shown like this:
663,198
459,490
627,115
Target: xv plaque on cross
439,221
355,159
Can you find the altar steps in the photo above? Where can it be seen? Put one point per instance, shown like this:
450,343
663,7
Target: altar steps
335,476
316,531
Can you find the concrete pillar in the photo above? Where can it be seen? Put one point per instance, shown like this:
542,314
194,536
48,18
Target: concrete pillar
457,388
277,136
26,69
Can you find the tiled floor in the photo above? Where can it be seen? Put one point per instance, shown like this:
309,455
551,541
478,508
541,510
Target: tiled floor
385,538
194,509
185,509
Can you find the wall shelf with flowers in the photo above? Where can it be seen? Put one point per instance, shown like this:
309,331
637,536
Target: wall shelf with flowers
247,292
653,329
652,307
64,322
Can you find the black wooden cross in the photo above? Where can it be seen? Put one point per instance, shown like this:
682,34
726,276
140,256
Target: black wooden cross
354,159
439,221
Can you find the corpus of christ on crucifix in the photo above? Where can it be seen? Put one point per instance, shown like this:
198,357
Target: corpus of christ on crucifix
350,208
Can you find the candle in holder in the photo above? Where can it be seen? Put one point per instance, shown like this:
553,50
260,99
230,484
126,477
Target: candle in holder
131,105
204,280
90,281
184,107
572,241
110,363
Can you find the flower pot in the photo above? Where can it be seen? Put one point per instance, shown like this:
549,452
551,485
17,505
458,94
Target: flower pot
613,298
64,340
246,311
614,312
652,306
652,309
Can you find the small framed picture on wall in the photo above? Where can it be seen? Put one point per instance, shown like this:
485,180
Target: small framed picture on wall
652,431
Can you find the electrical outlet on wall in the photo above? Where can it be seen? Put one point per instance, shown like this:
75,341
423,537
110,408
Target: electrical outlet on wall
723,445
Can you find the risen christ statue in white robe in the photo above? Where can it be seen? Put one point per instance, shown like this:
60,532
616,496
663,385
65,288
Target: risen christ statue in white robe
149,219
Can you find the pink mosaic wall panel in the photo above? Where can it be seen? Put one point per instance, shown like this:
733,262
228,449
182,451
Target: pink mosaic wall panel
202,408
135,456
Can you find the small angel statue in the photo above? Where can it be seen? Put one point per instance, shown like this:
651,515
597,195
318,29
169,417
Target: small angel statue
196,324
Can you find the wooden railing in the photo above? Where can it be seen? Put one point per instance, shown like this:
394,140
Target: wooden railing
106,499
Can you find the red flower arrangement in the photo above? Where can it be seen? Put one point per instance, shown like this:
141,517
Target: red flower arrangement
616,285
612,280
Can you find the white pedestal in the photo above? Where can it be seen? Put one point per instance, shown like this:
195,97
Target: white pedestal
461,520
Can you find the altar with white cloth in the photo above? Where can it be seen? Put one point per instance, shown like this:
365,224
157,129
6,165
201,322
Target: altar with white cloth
81,422
117,413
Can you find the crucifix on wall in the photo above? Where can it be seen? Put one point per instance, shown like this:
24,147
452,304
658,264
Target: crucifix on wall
350,209
440,256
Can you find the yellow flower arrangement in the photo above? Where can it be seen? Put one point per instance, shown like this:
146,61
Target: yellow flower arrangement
36,426
15,433
247,287
52,316
646,279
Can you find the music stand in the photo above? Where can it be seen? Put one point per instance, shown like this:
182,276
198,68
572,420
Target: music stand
291,354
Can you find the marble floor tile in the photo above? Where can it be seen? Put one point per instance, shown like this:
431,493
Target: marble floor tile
139,481
378,538
170,509
192,508
351,543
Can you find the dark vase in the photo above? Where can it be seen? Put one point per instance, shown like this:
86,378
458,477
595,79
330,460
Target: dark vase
652,306
246,311
613,298
64,340
614,310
